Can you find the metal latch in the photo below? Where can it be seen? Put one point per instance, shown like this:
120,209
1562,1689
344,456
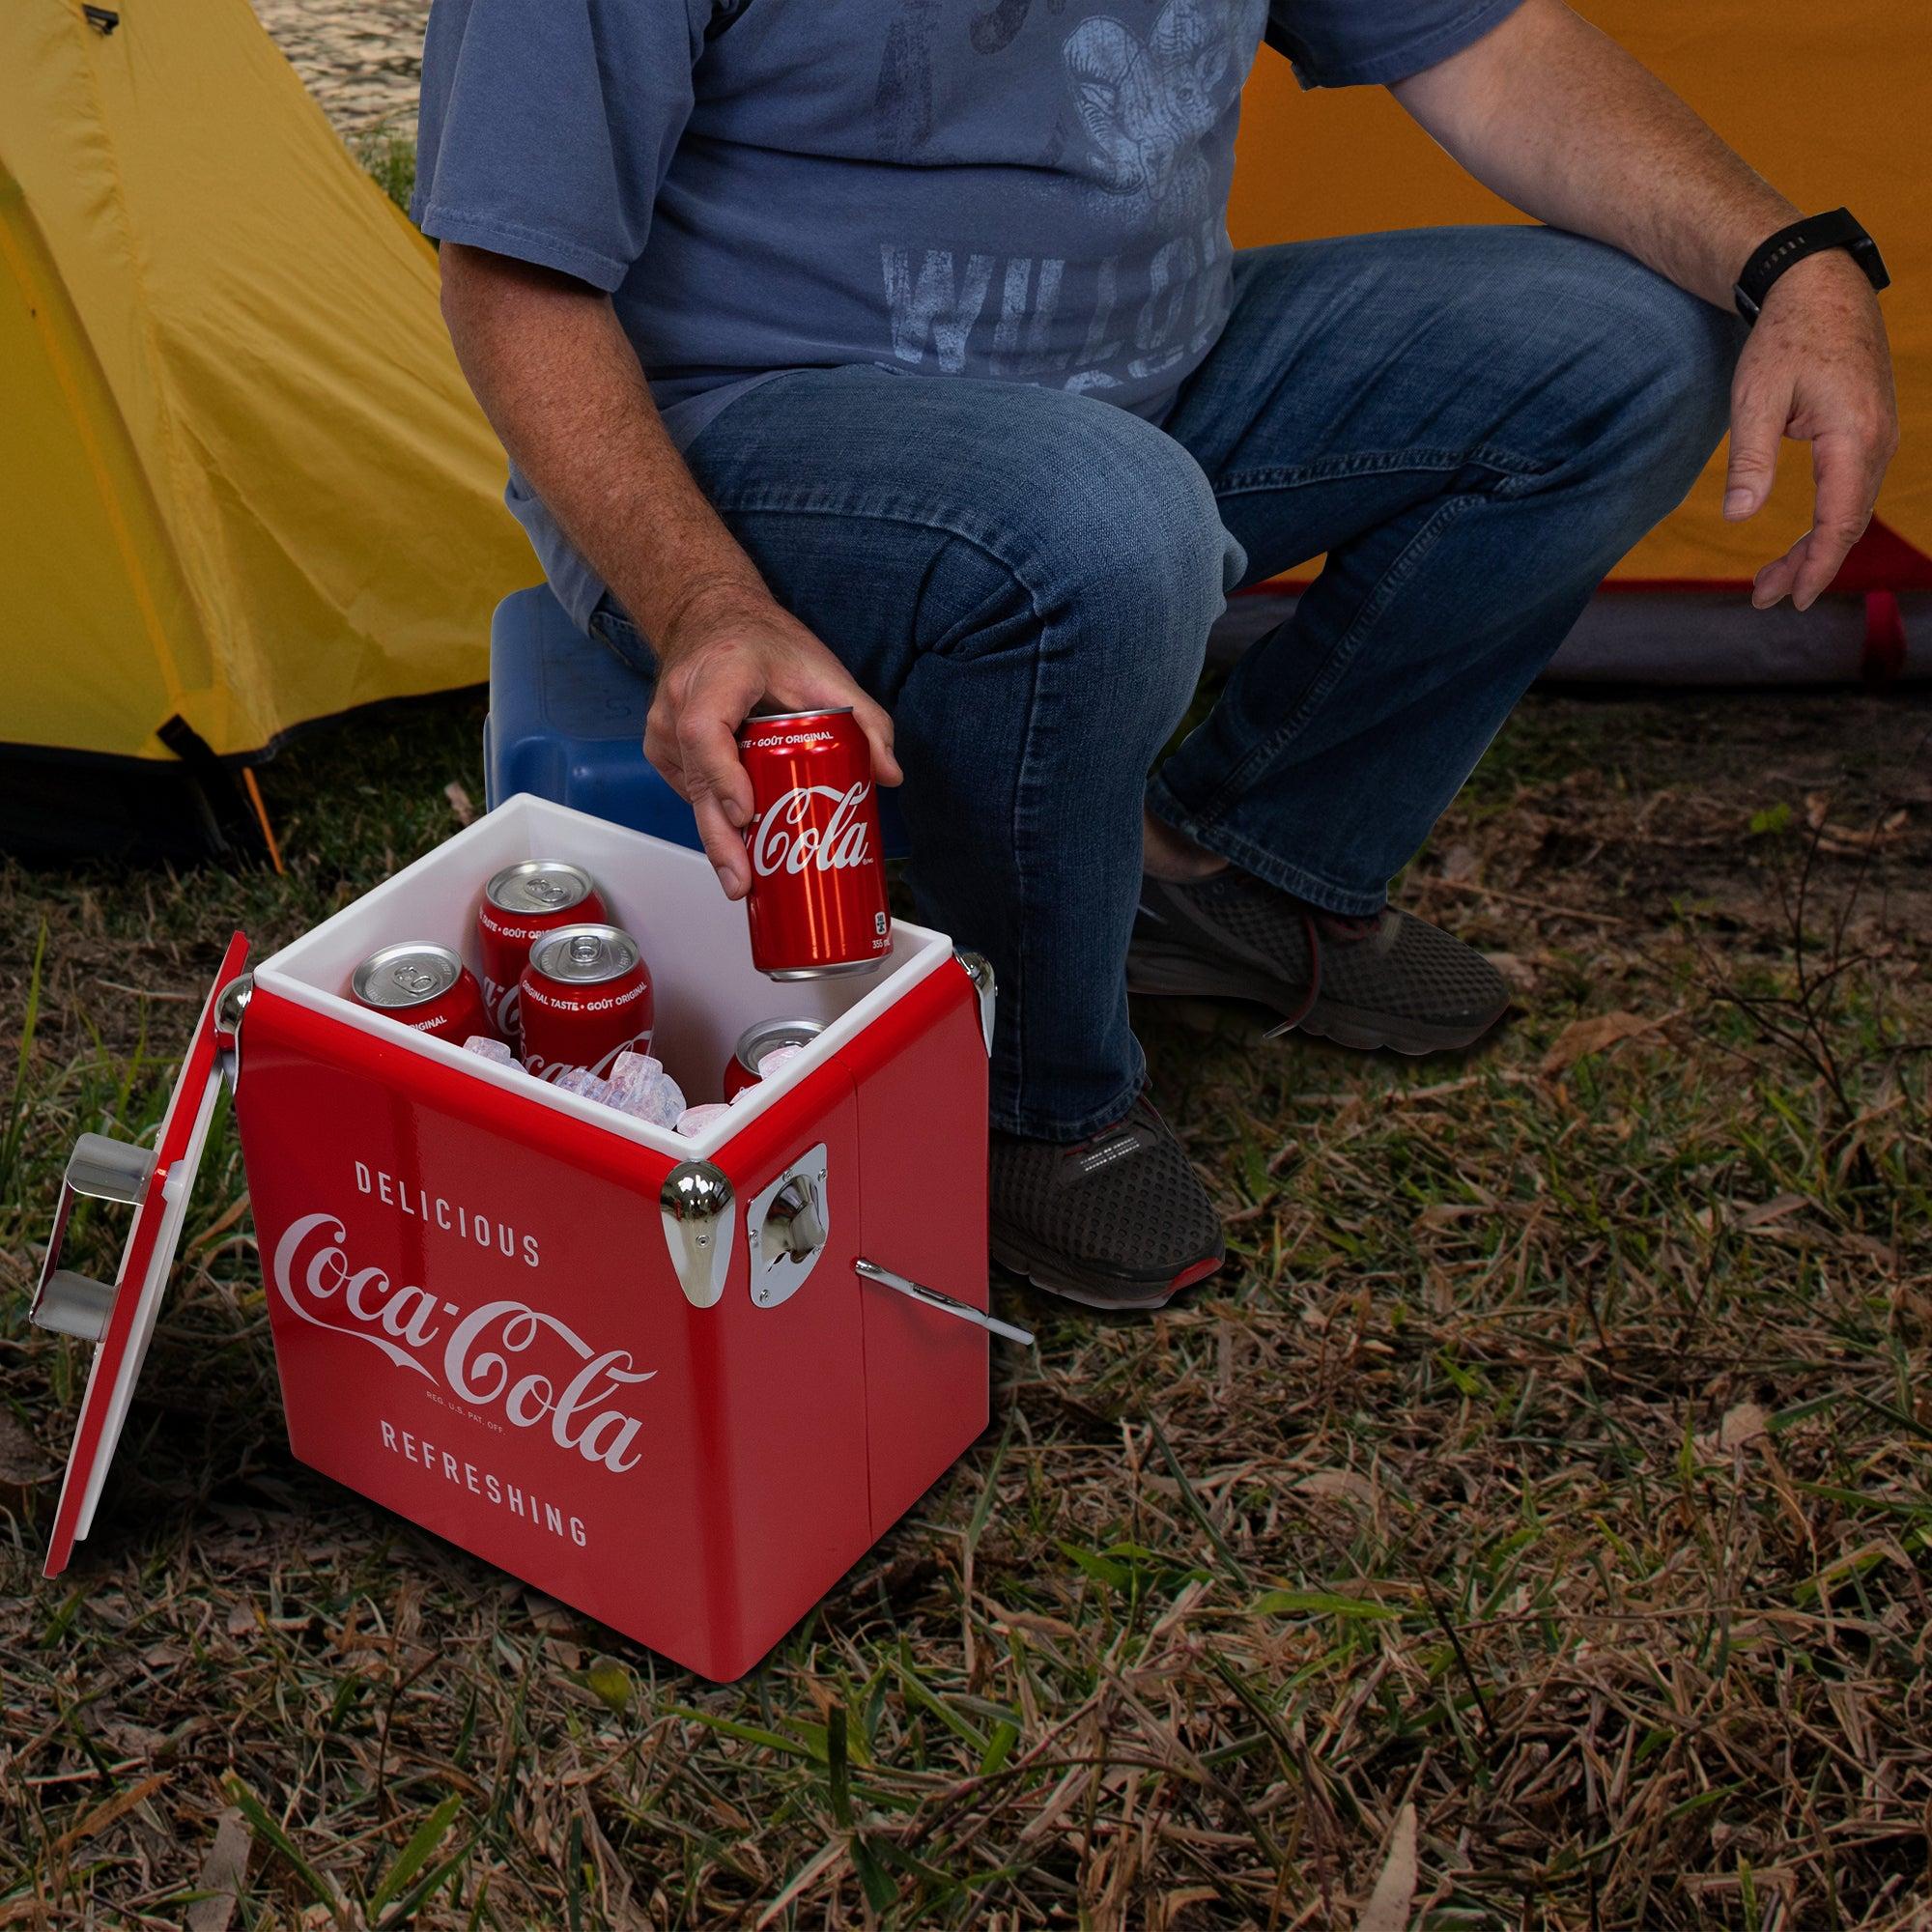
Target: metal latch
104,1169
786,1225
947,1304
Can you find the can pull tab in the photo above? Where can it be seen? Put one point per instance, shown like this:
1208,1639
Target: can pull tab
102,1169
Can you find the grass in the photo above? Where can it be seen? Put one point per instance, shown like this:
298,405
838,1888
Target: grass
389,156
1548,1468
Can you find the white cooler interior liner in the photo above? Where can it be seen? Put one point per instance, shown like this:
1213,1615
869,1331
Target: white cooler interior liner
667,898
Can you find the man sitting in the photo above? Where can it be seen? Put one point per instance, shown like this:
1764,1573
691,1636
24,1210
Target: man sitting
893,355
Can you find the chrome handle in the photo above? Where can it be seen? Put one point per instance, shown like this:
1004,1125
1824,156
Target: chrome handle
73,1304
947,1304
109,1170
231,1004
102,1169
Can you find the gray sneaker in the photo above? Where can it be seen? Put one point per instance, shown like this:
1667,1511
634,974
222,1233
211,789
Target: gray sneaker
1391,980
1117,1221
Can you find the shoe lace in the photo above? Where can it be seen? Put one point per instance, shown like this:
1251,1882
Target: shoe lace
1348,925
1311,927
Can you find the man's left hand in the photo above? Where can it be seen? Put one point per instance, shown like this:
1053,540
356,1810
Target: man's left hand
1817,368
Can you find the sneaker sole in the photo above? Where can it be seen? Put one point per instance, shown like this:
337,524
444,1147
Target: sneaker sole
1054,1274
1159,974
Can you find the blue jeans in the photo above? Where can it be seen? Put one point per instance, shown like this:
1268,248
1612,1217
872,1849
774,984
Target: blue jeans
1474,425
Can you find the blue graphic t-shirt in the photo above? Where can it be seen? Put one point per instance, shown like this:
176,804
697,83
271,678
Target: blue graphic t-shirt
1033,191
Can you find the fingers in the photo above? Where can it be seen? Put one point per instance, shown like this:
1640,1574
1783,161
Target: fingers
1847,473
723,846
714,779
830,685
1776,579
877,721
1760,408
1847,467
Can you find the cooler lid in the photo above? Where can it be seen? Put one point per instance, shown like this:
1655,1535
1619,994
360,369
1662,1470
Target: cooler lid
120,1319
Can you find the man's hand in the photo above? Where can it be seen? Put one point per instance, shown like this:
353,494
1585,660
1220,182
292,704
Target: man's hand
1563,123
726,650
561,382
1817,368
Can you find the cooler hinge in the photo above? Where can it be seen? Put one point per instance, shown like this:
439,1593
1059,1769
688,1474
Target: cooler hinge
231,1003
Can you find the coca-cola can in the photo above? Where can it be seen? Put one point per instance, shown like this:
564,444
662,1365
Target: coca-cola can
755,1041
519,905
585,997
817,903
425,987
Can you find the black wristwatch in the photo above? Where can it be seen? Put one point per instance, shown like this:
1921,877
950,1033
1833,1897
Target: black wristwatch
1809,237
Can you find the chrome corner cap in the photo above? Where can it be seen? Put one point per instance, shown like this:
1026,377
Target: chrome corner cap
694,1205
980,970
231,1003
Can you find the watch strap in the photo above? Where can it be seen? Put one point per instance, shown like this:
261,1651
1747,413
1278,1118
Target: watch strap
1836,229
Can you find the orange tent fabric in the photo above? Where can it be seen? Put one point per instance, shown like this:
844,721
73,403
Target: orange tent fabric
1830,104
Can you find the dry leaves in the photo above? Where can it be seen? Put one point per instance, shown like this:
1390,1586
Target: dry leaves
221,1874
1387,1909
1596,1033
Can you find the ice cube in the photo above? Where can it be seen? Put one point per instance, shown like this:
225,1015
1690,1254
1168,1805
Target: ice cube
770,1063
632,1066
484,1048
586,1085
695,1120
658,1099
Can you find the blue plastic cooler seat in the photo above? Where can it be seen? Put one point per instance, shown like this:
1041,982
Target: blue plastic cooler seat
567,723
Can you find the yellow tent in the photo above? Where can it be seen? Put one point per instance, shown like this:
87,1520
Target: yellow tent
1832,103
242,484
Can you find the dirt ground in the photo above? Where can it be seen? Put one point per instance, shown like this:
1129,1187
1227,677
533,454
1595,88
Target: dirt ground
1531,1527
361,59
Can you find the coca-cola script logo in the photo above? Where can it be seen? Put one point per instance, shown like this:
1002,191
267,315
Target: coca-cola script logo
502,1003
555,1069
786,840
319,1284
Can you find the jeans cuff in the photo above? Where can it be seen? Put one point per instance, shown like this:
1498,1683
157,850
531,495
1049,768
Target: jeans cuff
1351,901
1032,1126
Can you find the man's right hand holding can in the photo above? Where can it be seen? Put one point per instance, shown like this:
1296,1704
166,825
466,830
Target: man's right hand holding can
728,648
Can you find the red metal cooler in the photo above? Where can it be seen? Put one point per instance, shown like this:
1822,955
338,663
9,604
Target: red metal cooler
681,1384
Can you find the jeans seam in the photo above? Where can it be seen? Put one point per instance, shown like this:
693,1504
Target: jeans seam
1423,459
1241,778
986,538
